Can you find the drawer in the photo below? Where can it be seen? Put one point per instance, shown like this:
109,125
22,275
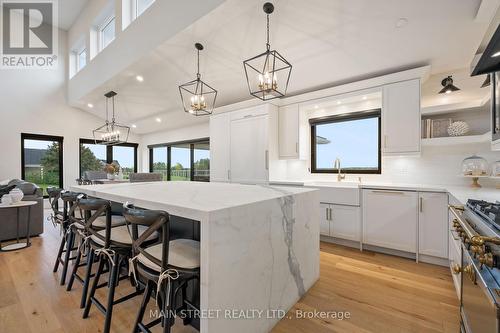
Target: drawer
339,195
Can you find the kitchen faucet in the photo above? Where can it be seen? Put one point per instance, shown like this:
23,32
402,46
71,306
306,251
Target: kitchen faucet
336,165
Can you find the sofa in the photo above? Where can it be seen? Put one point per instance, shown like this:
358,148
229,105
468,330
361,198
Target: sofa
8,217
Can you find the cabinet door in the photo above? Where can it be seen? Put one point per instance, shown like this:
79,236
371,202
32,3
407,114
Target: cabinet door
433,224
219,147
401,117
390,219
288,130
324,222
345,221
249,153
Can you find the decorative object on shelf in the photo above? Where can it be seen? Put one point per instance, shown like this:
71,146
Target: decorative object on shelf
448,86
112,169
439,127
111,133
458,128
197,97
6,199
475,167
16,195
268,73
495,169
487,81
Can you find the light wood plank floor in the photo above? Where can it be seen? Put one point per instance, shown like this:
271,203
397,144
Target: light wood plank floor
382,294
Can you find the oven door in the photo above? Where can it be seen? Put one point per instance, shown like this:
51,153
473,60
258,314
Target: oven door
479,311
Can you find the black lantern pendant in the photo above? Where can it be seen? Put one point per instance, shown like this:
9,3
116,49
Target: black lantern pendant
268,73
448,86
198,98
111,133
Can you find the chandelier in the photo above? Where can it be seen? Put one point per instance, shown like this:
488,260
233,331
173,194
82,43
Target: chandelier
197,97
268,73
111,133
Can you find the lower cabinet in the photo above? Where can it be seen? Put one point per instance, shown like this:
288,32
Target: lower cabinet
340,221
433,224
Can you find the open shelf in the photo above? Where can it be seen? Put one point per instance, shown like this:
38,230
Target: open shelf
457,140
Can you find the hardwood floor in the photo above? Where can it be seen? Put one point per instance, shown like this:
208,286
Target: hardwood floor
380,293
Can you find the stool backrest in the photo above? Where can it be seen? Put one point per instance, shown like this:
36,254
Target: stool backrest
54,196
92,209
155,221
69,200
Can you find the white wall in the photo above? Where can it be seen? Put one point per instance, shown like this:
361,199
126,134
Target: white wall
34,101
180,134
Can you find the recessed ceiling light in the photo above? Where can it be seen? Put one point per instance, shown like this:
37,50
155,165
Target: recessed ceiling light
139,78
158,120
90,105
364,98
316,106
496,54
339,102
134,126
401,22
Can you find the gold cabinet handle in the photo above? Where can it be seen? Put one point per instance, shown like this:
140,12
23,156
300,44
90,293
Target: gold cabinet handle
456,269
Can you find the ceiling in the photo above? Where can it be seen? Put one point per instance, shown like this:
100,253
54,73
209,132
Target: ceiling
69,11
328,43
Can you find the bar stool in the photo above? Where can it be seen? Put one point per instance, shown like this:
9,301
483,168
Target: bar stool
114,246
97,221
68,238
56,217
166,267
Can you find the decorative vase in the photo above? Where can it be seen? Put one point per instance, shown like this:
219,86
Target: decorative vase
16,195
111,176
6,199
458,128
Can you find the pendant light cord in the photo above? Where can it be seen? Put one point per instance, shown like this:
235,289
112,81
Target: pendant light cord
113,102
267,44
107,116
198,66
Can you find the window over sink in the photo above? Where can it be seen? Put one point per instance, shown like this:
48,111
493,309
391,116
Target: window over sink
354,138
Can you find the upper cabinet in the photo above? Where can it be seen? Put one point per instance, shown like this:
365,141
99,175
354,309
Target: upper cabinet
288,129
219,147
401,118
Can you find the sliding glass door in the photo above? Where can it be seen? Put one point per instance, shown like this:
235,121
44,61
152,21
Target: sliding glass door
92,157
42,160
126,157
181,161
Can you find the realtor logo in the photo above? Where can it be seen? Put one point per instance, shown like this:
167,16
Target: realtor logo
29,33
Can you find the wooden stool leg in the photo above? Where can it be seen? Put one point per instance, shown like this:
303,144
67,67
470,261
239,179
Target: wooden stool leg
145,300
59,253
67,255
74,271
93,289
111,293
86,281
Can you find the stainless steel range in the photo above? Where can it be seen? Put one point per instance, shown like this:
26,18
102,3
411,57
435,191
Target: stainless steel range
478,225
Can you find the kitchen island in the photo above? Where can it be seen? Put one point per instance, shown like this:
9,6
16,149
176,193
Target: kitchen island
259,245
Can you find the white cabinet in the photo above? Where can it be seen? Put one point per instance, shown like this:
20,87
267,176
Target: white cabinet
288,129
433,224
249,152
401,117
340,221
219,147
324,222
345,222
390,219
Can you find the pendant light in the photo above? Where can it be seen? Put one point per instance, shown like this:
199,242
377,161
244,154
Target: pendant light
448,86
268,73
197,97
111,133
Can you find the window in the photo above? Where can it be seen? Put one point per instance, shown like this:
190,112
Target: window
93,157
181,161
107,32
353,138
141,6
42,160
81,60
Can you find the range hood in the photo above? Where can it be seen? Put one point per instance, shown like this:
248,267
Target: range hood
487,59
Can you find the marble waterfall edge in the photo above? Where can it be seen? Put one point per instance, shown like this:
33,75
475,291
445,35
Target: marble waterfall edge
263,257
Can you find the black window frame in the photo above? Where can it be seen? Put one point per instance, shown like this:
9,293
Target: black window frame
366,114
44,137
169,157
109,152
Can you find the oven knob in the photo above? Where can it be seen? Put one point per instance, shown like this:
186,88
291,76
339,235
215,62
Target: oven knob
476,249
456,224
486,259
456,269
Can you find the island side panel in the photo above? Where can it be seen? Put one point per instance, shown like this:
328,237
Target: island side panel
263,256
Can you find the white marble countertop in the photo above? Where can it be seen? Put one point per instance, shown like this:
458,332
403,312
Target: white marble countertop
461,193
190,198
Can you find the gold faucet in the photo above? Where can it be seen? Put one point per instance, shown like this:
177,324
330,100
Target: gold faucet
336,165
